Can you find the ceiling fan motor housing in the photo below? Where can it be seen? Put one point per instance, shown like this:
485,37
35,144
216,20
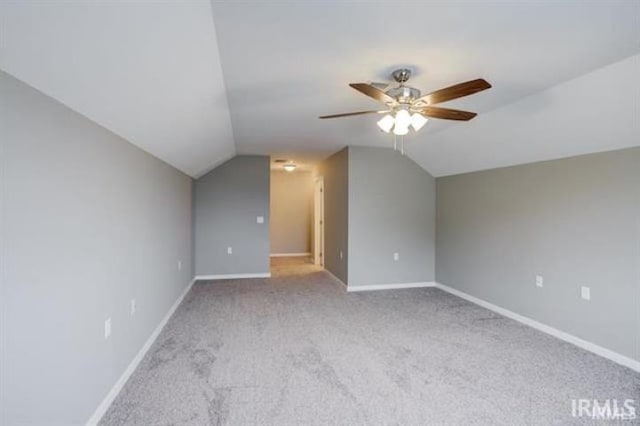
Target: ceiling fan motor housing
404,94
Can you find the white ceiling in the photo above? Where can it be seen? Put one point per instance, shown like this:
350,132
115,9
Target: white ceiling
596,112
149,72
286,63
161,75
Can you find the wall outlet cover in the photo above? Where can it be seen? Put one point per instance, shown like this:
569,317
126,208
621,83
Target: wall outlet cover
260,219
229,250
539,281
132,307
107,328
396,256
585,292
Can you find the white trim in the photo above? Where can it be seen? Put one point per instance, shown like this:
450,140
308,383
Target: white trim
232,276
318,222
390,286
289,254
591,347
338,280
117,387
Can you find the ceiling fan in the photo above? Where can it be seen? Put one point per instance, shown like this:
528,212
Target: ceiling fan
405,107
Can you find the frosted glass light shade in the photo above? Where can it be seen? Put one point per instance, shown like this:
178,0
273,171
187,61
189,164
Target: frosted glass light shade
400,131
289,167
418,120
403,119
386,123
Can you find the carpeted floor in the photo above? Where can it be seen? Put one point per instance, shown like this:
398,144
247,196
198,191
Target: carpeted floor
296,349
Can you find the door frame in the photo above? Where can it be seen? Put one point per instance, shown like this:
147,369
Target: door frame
318,222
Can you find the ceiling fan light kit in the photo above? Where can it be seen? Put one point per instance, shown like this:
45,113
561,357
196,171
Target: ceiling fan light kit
418,121
407,109
386,123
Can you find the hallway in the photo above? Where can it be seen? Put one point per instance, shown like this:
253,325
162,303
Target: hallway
292,266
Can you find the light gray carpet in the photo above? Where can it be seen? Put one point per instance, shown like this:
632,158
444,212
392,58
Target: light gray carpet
296,349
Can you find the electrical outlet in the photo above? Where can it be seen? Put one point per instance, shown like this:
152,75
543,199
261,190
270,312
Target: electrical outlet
585,292
179,265
132,307
107,328
229,250
260,219
396,256
539,281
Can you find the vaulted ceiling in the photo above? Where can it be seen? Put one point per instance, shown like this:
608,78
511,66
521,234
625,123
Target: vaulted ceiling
196,82
148,71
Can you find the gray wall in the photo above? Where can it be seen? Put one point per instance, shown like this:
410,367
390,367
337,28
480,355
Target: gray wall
228,200
88,223
574,221
334,171
291,211
392,208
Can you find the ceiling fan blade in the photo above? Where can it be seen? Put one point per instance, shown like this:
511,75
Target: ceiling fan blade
348,114
372,92
447,114
455,91
382,86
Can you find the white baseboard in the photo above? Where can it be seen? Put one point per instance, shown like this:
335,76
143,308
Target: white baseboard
591,347
336,279
390,286
232,276
289,254
351,289
115,390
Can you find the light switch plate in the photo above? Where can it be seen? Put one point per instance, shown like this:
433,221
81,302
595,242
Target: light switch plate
229,250
260,219
539,281
132,307
396,256
585,292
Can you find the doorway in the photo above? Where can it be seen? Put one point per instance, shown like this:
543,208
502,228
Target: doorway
318,222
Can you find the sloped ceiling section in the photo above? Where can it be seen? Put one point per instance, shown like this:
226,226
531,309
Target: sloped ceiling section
599,111
148,71
286,63
194,82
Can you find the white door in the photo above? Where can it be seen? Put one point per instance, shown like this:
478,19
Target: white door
318,222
